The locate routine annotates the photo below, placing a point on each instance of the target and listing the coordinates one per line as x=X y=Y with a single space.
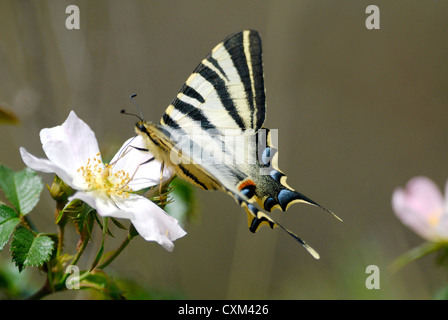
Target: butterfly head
x=141 y=127
x=146 y=130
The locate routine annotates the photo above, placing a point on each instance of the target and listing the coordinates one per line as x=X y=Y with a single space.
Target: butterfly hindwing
x=268 y=187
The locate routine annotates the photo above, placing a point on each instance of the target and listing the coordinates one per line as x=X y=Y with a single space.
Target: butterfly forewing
x=226 y=90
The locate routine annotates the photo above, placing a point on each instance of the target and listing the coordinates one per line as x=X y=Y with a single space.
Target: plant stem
x=82 y=247
x=116 y=253
x=415 y=253
x=61 y=224
x=60 y=241
x=131 y=234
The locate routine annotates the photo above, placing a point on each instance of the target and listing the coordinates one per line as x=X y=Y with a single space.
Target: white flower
x=73 y=154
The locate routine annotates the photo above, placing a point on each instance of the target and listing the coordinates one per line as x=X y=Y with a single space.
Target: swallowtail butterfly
x=212 y=134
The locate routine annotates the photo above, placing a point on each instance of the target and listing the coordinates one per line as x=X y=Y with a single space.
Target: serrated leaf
x=29 y=249
x=8 y=222
x=22 y=188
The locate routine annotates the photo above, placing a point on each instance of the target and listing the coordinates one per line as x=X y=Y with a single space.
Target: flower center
x=434 y=217
x=99 y=176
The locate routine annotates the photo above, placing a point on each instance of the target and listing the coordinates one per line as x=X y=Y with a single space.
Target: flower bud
x=59 y=190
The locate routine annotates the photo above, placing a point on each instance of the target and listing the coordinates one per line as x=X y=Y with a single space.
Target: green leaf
x=22 y=188
x=29 y=249
x=8 y=222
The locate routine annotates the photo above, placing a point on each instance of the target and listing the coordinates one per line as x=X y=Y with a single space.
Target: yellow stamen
x=101 y=177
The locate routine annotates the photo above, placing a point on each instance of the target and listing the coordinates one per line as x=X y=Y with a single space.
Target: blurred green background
x=359 y=113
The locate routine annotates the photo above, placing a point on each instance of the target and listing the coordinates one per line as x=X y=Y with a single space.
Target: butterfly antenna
x=140 y=116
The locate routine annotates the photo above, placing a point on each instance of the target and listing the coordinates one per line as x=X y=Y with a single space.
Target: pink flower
x=422 y=207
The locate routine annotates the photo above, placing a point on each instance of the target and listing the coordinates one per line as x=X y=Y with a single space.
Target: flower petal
x=423 y=196
x=105 y=206
x=70 y=145
x=151 y=222
x=418 y=205
x=154 y=224
x=44 y=165
x=135 y=162
x=38 y=164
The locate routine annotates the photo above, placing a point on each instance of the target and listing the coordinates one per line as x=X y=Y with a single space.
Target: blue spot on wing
x=285 y=196
x=266 y=156
x=269 y=203
x=248 y=191
x=276 y=175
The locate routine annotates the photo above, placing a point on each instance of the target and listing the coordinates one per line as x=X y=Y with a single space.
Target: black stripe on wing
x=258 y=76
x=250 y=70
x=195 y=180
x=193 y=113
x=220 y=86
x=216 y=64
x=235 y=48
x=192 y=93
x=168 y=121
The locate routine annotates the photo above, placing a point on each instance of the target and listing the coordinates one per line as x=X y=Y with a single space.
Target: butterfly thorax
x=155 y=142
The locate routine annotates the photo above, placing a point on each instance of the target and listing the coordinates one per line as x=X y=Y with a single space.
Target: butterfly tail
x=295 y=196
x=257 y=218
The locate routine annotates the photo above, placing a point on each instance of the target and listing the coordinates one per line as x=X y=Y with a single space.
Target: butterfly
x=212 y=133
